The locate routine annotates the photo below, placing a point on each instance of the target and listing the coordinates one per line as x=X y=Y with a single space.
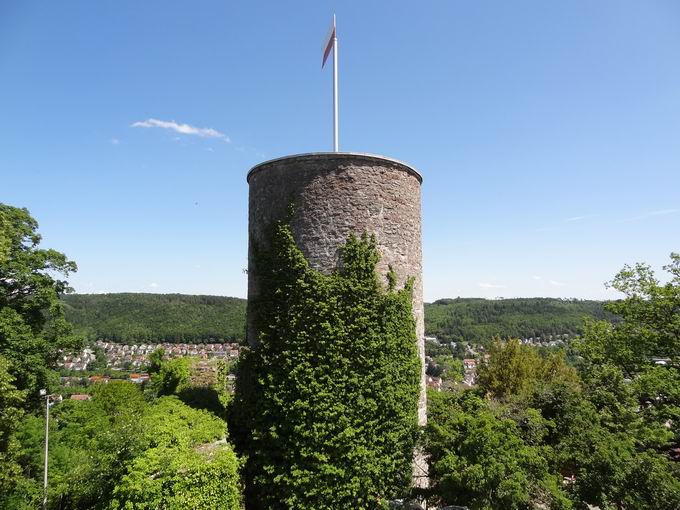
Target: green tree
x=517 y=370
x=100 y=362
x=11 y=401
x=480 y=460
x=176 y=479
x=156 y=361
x=172 y=377
x=327 y=400
x=186 y=464
x=649 y=324
x=450 y=368
x=648 y=329
x=32 y=324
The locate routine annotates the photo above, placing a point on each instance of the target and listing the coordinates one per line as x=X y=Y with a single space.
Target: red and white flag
x=329 y=41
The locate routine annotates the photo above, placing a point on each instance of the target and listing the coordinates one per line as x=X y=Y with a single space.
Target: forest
x=136 y=317
x=478 y=320
x=175 y=318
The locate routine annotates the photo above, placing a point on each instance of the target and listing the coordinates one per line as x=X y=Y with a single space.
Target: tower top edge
x=336 y=155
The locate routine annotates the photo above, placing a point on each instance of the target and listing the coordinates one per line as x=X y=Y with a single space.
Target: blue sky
x=548 y=133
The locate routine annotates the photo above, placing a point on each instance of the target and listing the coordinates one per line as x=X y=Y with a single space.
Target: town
x=133 y=357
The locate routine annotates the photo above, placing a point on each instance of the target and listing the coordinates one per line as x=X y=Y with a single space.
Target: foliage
x=130 y=317
x=650 y=320
x=133 y=318
x=648 y=331
x=100 y=361
x=606 y=430
x=11 y=401
x=194 y=385
x=186 y=463
x=327 y=400
x=176 y=479
x=480 y=460
x=103 y=450
x=32 y=323
x=155 y=361
x=447 y=367
x=172 y=377
x=478 y=320
x=32 y=331
x=517 y=369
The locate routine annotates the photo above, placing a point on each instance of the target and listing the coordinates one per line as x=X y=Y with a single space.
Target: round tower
x=337 y=194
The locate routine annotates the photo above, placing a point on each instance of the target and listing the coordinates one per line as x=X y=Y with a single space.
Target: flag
x=329 y=43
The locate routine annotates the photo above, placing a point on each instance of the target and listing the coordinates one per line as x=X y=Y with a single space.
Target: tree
x=186 y=462
x=156 y=361
x=110 y=451
x=649 y=320
x=172 y=377
x=100 y=362
x=647 y=330
x=516 y=370
x=32 y=324
x=480 y=460
x=175 y=479
x=11 y=401
x=327 y=400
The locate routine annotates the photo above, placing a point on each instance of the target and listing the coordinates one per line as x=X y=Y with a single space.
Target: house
x=139 y=378
x=469 y=364
x=434 y=382
x=80 y=396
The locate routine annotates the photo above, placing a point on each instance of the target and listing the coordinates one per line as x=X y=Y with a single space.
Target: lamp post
x=57 y=398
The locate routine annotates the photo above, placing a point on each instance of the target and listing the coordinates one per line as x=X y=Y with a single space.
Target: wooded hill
x=130 y=318
x=477 y=320
x=133 y=317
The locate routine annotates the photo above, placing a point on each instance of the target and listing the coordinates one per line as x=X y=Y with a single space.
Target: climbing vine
x=326 y=403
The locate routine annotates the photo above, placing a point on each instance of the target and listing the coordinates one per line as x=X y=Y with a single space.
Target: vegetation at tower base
x=327 y=400
x=539 y=433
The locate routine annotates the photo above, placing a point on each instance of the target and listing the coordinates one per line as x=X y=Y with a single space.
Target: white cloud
x=487 y=285
x=536 y=277
x=153 y=285
x=114 y=141
x=185 y=129
x=650 y=214
x=556 y=283
x=579 y=218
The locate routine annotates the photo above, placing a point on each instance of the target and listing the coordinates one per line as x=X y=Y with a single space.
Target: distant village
x=475 y=354
x=133 y=357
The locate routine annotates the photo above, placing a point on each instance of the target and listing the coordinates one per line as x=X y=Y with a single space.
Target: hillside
x=132 y=317
x=477 y=320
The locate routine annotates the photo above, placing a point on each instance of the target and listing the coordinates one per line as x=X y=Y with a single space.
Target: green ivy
x=327 y=401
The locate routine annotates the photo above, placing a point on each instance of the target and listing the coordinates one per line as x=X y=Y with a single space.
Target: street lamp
x=55 y=398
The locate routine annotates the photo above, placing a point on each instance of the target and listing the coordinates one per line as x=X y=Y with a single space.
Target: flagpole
x=335 y=86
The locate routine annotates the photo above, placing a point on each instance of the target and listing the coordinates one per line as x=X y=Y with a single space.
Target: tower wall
x=335 y=195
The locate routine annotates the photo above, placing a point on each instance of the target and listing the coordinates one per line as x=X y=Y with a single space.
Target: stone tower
x=337 y=194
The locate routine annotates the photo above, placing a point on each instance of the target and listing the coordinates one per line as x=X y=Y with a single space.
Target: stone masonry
x=336 y=194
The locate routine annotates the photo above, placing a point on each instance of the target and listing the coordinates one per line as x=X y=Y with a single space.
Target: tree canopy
x=32 y=324
x=478 y=320
x=134 y=318
x=538 y=433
